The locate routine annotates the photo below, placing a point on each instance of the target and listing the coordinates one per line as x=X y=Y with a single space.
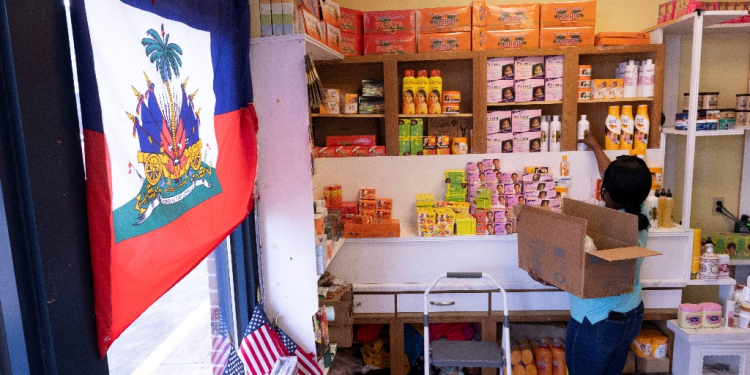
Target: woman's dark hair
x=628 y=182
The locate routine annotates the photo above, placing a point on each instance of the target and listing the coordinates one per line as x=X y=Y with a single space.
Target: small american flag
x=234 y=365
x=306 y=364
x=261 y=346
x=220 y=345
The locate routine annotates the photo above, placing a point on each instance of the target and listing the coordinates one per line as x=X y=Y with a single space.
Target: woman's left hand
x=536 y=278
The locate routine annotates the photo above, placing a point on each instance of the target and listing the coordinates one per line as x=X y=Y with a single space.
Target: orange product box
x=620 y=41
x=312 y=26
x=444 y=19
x=344 y=151
x=384 y=203
x=366 y=205
x=331 y=12
x=350 y=140
x=351 y=44
x=389 y=21
x=333 y=37
x=361 y=151
x=478 y=13
x=398 y=43
x=376 y=229
x=351 y=20
x=478 y=38
x=444 y=42
x=382 y=214
x=573 y=14
x=366 y=194
x=512 y=39
x=377 y=151
x=513 y=17
x=347 y=209
x=566 y=37
x=327 y=152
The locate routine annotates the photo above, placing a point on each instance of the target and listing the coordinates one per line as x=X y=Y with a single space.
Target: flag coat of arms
x=170 y=147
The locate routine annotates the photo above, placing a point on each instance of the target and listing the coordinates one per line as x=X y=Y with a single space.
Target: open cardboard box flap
x=624 y=253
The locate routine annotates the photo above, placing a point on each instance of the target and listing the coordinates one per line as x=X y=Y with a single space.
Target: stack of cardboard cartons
x=351 y=32
x=446 y=29
x=340 y=328
x=374 y=218
x=331 y=24
x=276 y=17
x=390 y=31
x=567 y=24
x=508 y=26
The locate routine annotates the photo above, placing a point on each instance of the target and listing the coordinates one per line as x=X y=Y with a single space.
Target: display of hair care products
x=524 y=79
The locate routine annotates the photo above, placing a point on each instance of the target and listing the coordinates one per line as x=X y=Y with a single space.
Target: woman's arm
x=602 y=161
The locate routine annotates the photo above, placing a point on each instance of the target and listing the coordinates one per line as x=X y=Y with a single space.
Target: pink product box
x=500 y=229
x=471 y=167
x=527 y=142
x=512 y=189
x=529 y=90
x=544 y=194
x=500 y=143
x=501 y=200
x=553 y=67
x=503 y=216
x=472 y=176
x=484 y=165
x=553 y=89
x=538 y=202
x=491 y=164
x=521 y=145
x=529 y=67
x=512 y=200
x=497 y=115
x=499 y=122
x=500 y=68
x=509 y=228
x=489 y=216
x=538 y=186
x=491 y=178
x=522 y=118
x=537 y=177
x=509 y=178
x=533 y=202
x=493 y=126
x=501 y=91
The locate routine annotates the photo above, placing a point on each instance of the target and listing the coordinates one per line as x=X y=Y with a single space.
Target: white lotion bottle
x=545 y=134
x=652 y=203
x=583 y=131
x=648 y=79
x=631 y=80
x=555 y=128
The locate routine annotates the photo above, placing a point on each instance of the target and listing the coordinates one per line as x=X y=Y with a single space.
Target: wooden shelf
x=740 y=130
x=712 y=282
x=348 y=115
x=621 y=100
x=438 y=116
x=739 y=262
x=711 y=22
x=511 y=104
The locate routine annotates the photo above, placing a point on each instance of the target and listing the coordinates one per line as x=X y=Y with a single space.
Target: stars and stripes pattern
x=306 y=363
x=234 y=365
x=220 y=346
x=261 y=346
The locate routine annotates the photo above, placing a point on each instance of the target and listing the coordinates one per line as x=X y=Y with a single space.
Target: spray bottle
x=709 y=262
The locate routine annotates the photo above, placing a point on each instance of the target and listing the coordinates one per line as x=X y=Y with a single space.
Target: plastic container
x=422 y=87
x=689 y=315
x=723 y=266
x=686 y=101
x=628 y=128
x=652 y=203
x=711 y=314
x=559 y=367
x=659 y=346
x=710 y=100
x=709 y=263
x=555 y=129
x=583 y=132
x=435 y=93
x=452 y=97
x=613 y=129
x=744 y=319
x=741 y=102
x=449 y=108
x=642 y=128
x=729 y=317
x=545 y=134
x=726 y=113
x=649 y=70
x=408 y=90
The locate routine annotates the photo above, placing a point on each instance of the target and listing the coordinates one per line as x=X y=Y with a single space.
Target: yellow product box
x=445 y=221
x=444 y=19
x=425 y=200
x=426 y=220
x=478 y=13
x=466 y=225
x=443 y=150
x=459 y=207
x=416 y=146
x=616 y=88
x=572 y=14
x=350 y=103
x=599 y=88
x=512 y=39
x=331 y=100
x=513 y=17
x=566 y=37
x=478 y=38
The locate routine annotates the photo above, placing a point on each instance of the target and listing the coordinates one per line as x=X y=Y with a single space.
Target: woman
x=600 y=330
x=435 y=102
x=508 y=94
x=508 y=71
x=409 y=108
x=421 y=101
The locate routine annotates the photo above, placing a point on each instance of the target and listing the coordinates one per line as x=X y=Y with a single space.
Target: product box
x=537 y=177
x=454 y=127
x=513 y=17
x=523 y=118
x=478 y=13
x=312 y=26
x=553 y=66
x=351 y=21
x=350 y=140
x=599 y=88
x=528 y=90
x=501 y=91
x=538 y=186
x=512 y=189
x=371 y=105
x=404 y=146
x=266 y=24
x=377 y=151
x=566 y=37
x=651 y=364
x=662 y=14
x=350 y=103
x=500 y=143
x=416 y=128
x=499 y=122
x=362 y=151
x=500 y=68
x=344 y=151
x=341 y=301
x=478 y=38
x=333 y=36
x=331 y=12
x=616 y=88
x=444 y=42
x=572 y=14
x=352 y=44
x=512 y=39
x=553 y=89
x=372 y=88
x=552 y=244
x=418 y=145
x=670 y=10
x=389 y=21
x=527 y=142
x=529 y=67
x=444 y=19
x=331 y=102
x=399 y=43
x=375 y=229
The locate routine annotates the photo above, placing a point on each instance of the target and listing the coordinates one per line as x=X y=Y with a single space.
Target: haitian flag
x=170 y=147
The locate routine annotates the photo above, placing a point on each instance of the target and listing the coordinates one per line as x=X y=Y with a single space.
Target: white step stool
x=693 y=347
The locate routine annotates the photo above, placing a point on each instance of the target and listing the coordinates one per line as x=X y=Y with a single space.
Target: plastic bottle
x=319 y=264
x=543 y=356
x=639 y=88
x=613 y=129
x=583 y=132
x=420 y=94
x=652 y=202
x=631 y=78
x=559 y=366
x=669 y=214
x=642 y=125
x=565 y=167
x=723 y=266
x=709 y=262
x=408 y=90
x=545 y=134
x=738 y=300
x=555 y=129
x=662 y=197
x=628 y=128
x=435 y=93
x=649 y=70
x=729 y=318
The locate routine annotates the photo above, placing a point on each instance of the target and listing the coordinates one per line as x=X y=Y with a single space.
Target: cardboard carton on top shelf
x=390 y=21
x=351 y=44
x=312 y=26
x=398 y=43
x=444 y=19
x=566 y=37
x=351 y=21
x=572 y=14
x=513 y=17
x=512 y=39
x=331 y=12
x=552 y=245
x=444 y=42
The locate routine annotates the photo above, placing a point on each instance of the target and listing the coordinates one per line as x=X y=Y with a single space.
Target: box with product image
x=573 y=14
x=312 y=26
x=500 y=143
x=553 y=89
x=529 y=67
x=553 y=66
x=566 y=37
x=453 y=127
x=444 y=20
x=351 y=20
x=377 y=151
x=509 y=177
x=513 y=17
x=528 y=90
x=372 y=88
x=331 y=12
x=512 y=189
x=501 y=91
x=527 y=142
x=478 y=13
x=537 y=177
x=478 y=38
x=371 y=105
x=361 y=151
x=351 y=44
x=444 y=42
x=539 y=194
x=500 y=68
x=538 y=186
x=600 y=89
x=333 y=37
x=331 y=101
x=552 y=245
x=389 y=21
x=511 y=39
x=398 y=43
x=501 y=122
x=523 y=118
x=350 y=102
x=404 y=128
x=416 y=128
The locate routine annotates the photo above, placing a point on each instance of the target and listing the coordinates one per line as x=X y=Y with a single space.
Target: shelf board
x=348 y=115
x=739 y=262
x=336 y=247
x=588 y=101
x=684 y=24
x=510 y=104
x=712 y=282
x=317 y=50
x=740 y=130
x=438 y=116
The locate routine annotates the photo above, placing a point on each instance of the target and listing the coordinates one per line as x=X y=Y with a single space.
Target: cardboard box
x=376 y=229
x=513 y=17
x=444 y=19
x=331 y=12
x=512 y=39
x=333 y=37
x=566 y=37
x=620 y=41
x=340 y=335
x=341 y=301
x=399 y=43
x=454 y=127
x=352 y=44
x=647 y=365
x=662 y=14
x=573 y=14
x=525 y=67
x=629 y=364
x=444 y=42
x=501 y=91
x=478 y=13
x=350 y=140
x=478 y=38
x=349 y=103
x=389 y=21
x=312 y=26
x=500 y=68
x=552 y=245
x=528 y=90
x=266 y=23
x=351 y=21
x=670 y=10
x=553 y=66
x=553 y=89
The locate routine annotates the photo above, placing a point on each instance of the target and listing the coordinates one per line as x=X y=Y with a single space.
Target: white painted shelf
x=639 y=99
x=410 y=234
x=739 y=262
x=336 y=247
x=740 y=130
x=729 y=281
x=317 y=50
x=684 y=24
x=509 y=104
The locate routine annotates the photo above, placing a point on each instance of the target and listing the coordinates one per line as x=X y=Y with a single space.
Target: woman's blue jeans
x=601 y=348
